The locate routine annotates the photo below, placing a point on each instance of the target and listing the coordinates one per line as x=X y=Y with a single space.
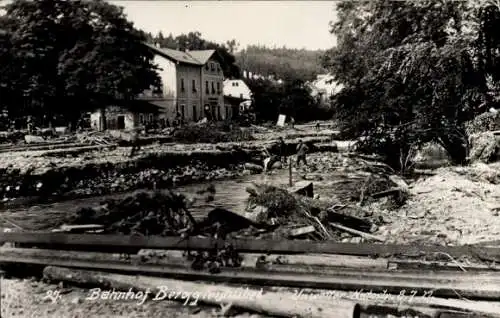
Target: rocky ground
x=455 y=206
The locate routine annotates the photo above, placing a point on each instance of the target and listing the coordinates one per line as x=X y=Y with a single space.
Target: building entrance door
x=120 y=122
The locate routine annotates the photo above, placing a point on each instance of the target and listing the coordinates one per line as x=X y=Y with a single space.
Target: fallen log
x=470 y=285
x=192 y=293
x=358 y=233
x=251 y=262
x=245 y=245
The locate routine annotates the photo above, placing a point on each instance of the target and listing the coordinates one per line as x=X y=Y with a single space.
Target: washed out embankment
x=157 y=166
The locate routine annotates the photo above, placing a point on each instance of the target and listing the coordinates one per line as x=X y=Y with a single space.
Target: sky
x=294 y=24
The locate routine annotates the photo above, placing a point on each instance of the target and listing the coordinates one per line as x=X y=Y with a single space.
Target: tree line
x=414 y=72
x=283 y=63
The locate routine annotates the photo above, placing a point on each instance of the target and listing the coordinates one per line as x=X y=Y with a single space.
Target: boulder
x=277 y=165
x=31 y=139
x=484 y=147
x=253 y=167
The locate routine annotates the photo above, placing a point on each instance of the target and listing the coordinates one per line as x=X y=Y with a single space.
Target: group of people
x=282 y=156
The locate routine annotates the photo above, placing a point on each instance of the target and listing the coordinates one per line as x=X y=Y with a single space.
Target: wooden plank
x=302 y=231
x=275 y=304
x=244 y=245
x=358 y=233
x=452 y=285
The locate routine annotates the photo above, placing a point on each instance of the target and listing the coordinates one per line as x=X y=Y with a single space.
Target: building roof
x=198 y=57
x=202 y=55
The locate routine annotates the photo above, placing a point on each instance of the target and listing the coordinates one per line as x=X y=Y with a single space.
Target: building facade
x=192 y=85
x=324 y=87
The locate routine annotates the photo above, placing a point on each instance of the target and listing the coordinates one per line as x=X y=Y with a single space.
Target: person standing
x=135 y=141
x=282 y=147
x=301 y=153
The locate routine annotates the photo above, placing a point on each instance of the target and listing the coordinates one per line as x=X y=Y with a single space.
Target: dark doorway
x=195 y=115
x=121 y=122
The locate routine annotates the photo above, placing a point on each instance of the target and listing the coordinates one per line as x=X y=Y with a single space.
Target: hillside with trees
x=283 y=63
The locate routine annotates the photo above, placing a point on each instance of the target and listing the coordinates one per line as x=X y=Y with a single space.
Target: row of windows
x=144 y=120
x=213 y=67
x=182 y=112
x=207 y=87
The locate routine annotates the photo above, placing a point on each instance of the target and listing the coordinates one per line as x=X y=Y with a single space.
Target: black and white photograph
x=249 y=159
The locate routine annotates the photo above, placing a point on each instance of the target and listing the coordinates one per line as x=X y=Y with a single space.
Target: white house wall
x=167 y=74
x=240 y=91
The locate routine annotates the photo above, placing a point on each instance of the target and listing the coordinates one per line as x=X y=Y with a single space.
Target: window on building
x=182 y=85
x=206 y=88
x=194 y=86
x=218 y=87
x=212 y=67
x=183 y=112
x=236 y=84
x=195 y=115
x=213 y=88
x=150 y=118
x=206 y=66
x=233 y=84
x=218 y=113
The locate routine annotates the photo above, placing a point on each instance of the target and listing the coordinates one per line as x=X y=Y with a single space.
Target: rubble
x=206 y=133
x=144 y=213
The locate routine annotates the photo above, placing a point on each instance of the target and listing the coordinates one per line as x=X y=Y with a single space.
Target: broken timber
x=94 y=241
x=358 y=233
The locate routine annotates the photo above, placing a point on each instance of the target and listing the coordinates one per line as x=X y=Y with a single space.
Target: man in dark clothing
x=282 y=148
x=135 y=141
x=301 y=153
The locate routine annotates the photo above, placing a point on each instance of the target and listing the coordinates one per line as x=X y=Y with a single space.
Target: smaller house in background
x=324 y=87
x=125 y=115
x=237 y=95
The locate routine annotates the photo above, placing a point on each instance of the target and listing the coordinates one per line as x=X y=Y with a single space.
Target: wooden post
x=290 y=180
x=1 y=277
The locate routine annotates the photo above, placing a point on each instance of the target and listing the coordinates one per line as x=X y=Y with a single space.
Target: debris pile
x=484 y=147
x=354 y=179
x=488 y=121
x=145 y=213
x=294 y=215
x=205 y=133
x=96 y=138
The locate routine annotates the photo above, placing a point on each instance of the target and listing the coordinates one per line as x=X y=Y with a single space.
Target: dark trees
x=71 y=56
